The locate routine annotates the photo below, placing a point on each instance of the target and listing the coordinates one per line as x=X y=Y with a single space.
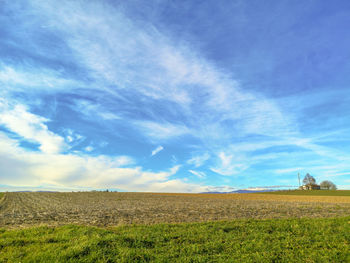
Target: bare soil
x=110 y=208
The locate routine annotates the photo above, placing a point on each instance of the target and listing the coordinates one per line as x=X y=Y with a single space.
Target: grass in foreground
x=287 y=240
x=311 y=192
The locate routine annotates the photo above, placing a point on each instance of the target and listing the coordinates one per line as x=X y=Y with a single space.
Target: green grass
x=287 y=240
x=310 y=192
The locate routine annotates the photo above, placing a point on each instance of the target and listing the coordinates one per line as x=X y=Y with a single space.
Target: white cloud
x=198 y=174
x=307 y=143
x=31 y=127
x=343 y=187
x=176 y=186
x=72 y=137
x=32 y=79
x=89 y=109
x=89 y=148
x=228 y=165
x=159 y=131
x=220 y=189
x=329 y=175
x=289 y=170
x=174 y=169
x=157 y=150
x=199 y=160
x=174 y=159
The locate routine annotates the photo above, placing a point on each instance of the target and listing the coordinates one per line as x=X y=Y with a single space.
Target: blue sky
x=173 y=96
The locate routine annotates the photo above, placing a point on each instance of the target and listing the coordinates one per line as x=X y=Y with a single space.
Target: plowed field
x=108 y=209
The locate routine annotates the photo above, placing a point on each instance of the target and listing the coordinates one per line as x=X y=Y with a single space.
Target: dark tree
x=308 y=179
x=328 y=185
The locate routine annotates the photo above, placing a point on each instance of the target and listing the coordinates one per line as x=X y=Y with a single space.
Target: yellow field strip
x=2 y=198
x=267 y=197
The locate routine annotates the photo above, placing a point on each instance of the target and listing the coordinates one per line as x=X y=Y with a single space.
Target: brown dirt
x=108 y=209
x=268 y=197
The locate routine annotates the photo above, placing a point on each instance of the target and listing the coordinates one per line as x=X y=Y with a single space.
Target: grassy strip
x=288 y=240
x=312 y=192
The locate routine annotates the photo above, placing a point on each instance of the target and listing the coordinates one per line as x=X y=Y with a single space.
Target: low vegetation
x=279 y=240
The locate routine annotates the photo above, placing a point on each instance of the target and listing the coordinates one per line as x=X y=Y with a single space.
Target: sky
x=173 y=96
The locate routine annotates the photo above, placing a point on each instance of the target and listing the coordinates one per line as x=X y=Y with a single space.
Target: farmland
x=144 y=227
x=312 y=193
x=110 y=209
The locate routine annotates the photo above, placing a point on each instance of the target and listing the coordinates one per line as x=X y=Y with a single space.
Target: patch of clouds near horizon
x=80 y=170
x=52 y=167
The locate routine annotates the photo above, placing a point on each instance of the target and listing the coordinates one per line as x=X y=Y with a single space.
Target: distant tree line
x=328 y=185
x=310 y=183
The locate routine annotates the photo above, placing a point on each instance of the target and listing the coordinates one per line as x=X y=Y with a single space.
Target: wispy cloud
x=30 y=127
x=149 y=63
x=228 y=165
x=199 y=160
x=89 y=148
x=157 y=150
x=220 y=189
x=88 y=109
x=72 y=138
x=198 y=174
x=160 y=131
x=289 y=170
x=329 y=175
x=32 y=79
